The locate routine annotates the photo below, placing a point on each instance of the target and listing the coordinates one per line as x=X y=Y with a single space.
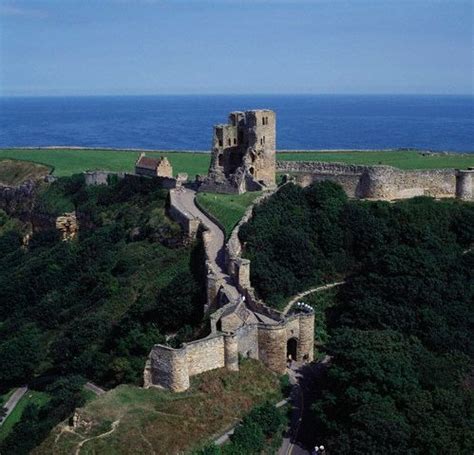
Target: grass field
x=31 y=396
x=13 y=172
x=396 y=158
x=227 y=208
x=140 y=420
x=70 y=161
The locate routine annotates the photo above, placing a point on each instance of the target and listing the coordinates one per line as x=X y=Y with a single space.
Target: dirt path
x=13 y=401
x=94 y=388
x=310 y=291
x=103 y=435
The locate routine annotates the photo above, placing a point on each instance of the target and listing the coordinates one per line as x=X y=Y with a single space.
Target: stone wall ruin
x=243 y=153
x=382 y=182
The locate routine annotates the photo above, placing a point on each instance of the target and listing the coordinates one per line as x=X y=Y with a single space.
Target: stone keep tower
x=243 y=153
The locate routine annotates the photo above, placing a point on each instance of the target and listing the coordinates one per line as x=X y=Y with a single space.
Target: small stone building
x=243 y=153
x=153 y=167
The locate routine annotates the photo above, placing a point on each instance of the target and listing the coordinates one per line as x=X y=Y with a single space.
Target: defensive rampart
x=188 y=222
x=241 y=325
x=379 y=182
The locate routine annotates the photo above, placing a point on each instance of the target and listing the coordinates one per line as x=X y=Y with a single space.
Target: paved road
x=184 y=198
x=310 y=291
x=13 y=401
x=300 y=437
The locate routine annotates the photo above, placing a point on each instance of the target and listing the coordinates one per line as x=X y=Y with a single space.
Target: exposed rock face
x=17 y=200
x=68 y=226
x=243 y=153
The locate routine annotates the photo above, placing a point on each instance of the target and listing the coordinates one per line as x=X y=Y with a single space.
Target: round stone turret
x=306 y=342
x=272 y=347
x=231 y=350
x=464 y=184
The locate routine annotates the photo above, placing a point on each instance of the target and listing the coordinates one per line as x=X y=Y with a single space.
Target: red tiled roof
x=148 y=163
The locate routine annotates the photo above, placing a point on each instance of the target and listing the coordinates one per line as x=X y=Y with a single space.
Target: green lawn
x=72 y=161
x=400 y=159
x=227 y=208
x=31 y=396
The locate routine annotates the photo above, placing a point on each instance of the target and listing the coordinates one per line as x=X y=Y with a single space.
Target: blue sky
x=98 y=47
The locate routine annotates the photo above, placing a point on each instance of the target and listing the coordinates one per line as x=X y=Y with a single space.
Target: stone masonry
x=243 y=153
x=243 y=159
x=383 y=182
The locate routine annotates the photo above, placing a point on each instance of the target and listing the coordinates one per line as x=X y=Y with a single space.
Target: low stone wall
x=320 y=167
x=102 y=178
x=234 y=247
x=188 y=222
x=374 y=182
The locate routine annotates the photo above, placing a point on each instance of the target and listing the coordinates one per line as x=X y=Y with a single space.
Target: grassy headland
x=402 y=159
x=158 y=421
x=70 y=161
x=13 y=172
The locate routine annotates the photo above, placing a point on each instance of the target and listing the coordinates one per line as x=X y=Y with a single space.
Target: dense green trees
x=66 y=394
x=96 y=305
x=259 y=432
x=400 y=333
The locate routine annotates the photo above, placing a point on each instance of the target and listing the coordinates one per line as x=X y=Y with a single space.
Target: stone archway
x=292 y=349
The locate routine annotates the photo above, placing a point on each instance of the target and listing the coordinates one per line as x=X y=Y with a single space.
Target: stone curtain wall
x=189 y=223
x=374 y=182
x=171 y=368
x=206 y=354
x=385 y=182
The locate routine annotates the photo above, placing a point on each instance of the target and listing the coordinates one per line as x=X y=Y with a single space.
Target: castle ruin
x=243 y=153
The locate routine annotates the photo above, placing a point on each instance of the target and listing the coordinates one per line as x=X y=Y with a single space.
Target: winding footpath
x=310 y=291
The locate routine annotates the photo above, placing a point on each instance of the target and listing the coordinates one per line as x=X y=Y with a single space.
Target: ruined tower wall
x=168 y=368
x=231 y=350
x=464 y=187
x=272 y=347
x=247 y=337
x=306 y=338
x=261 y=133
x=243 y=153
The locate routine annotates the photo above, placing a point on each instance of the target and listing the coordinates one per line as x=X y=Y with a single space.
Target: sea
x=304 y=122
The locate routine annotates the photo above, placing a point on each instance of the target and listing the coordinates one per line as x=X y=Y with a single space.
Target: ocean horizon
x=184 y=122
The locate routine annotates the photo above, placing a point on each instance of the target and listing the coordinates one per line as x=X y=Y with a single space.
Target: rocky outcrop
x=68 y=226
